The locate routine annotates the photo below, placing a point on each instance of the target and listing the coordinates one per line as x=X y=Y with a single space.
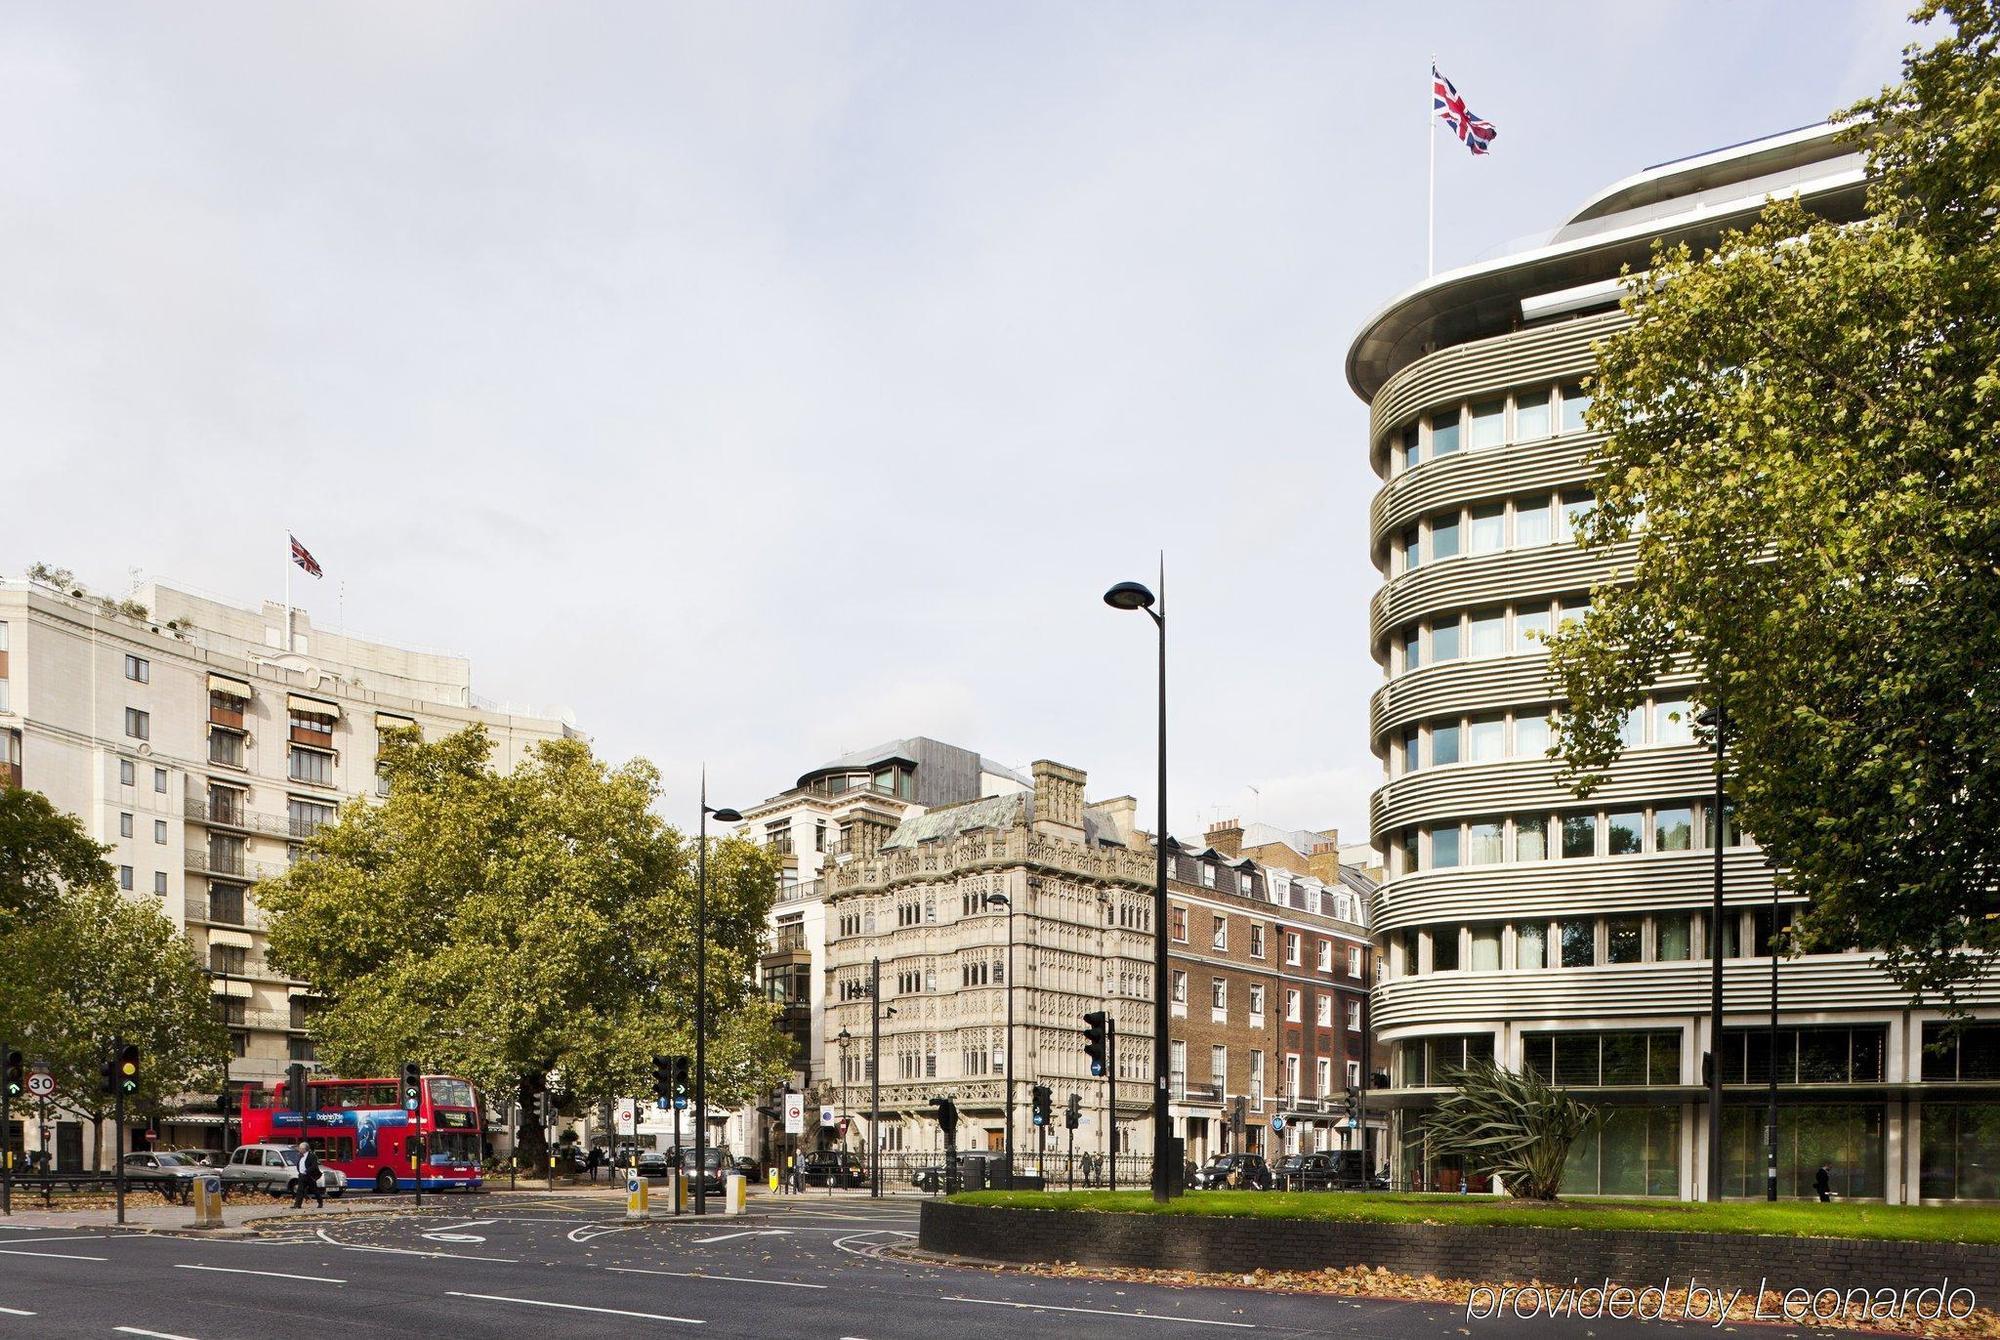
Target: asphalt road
x=509 y=1267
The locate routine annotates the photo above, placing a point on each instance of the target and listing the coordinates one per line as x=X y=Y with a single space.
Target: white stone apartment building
x=202 y=742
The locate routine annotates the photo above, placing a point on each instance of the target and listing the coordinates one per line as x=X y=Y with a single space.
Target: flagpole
x=288 y=593
x=1431 y=210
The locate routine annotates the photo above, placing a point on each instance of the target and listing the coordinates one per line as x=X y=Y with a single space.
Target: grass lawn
x=1798 y=1219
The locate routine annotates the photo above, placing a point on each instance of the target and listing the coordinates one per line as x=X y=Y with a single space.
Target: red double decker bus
x=361 y=1127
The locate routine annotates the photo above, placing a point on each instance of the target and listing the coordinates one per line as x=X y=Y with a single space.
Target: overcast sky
x=762 y=381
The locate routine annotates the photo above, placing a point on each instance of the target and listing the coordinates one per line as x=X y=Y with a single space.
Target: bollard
x=732 y=1193
x=635 y=1196
x=774 y=1179
x=207 y=1201
x=677 y=1190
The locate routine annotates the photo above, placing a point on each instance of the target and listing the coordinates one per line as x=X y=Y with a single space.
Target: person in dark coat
x=309 y=1182
x=1823 y=1183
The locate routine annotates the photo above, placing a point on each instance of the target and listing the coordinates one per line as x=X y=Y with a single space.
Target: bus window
x=449 y=1092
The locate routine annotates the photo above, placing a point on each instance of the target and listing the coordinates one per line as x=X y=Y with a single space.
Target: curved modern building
x=1570 y=936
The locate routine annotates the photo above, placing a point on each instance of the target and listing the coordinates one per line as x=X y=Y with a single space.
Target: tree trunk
x=531 y=1144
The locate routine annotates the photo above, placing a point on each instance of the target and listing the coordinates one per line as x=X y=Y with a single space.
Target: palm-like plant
x=1512 y=1123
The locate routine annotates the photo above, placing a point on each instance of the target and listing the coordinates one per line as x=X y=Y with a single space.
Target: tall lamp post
x=724 y=816
x=1712 y=718
x=1007 y=1103
x=1133 y=596
x=843 y=1038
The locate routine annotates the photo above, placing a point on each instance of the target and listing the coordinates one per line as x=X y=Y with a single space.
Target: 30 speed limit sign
x=41 y=1084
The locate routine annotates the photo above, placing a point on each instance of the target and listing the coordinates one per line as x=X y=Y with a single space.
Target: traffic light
x=947 y=1114
x=107 y=1075
x=548 y=1106
x=682 y=1083
x=1043 y=1099
x=1239 y=1112
x=128 y=1069
x=413 y=1085
x=663 y=1076
x=225 y=1102
x=1073 y=1114
x=17 y=1076
x=1096 y=1039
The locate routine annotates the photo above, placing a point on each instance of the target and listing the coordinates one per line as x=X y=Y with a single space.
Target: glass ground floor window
x=1422 y=1168
x=1634 y=1151
x=1960 y=1152
x=1846 y=1137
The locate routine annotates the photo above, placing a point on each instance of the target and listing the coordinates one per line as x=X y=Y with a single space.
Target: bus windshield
x=449 y=1092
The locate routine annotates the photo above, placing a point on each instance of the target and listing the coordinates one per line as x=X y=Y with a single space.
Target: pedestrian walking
x=308 y=1182
x=1823 y=1183
x=799 y=1177
x=594 y=1162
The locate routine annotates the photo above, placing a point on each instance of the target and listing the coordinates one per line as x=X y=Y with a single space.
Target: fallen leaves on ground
x=1381 y=1282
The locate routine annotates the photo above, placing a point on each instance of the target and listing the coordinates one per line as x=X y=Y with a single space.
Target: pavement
x=568 y=1265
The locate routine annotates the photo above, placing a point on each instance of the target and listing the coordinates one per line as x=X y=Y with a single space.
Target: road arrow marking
x=750 y=1233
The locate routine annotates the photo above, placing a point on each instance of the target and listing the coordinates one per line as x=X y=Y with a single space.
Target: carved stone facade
x=964 y=904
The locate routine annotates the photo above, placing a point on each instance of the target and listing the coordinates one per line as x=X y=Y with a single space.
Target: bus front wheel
x=385 y=1182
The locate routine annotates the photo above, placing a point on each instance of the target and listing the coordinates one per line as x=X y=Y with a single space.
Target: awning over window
x=390 y=721
x=311 y=706
x=229 y=688
x=237 y=938
x=229 y=986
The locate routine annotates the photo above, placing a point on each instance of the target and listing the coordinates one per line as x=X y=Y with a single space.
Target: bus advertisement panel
x=361 y=1127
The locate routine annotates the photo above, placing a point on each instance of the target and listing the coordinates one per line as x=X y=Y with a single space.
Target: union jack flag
x=1475 y=134
x=303 y=557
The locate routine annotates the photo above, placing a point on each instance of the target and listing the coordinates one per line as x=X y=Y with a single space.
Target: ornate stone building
x=995 y=921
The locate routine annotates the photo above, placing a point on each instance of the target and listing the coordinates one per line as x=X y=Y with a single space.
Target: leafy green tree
x=85 y=965
x=1510 y=1123
x=522 y=930
x=1801 y=478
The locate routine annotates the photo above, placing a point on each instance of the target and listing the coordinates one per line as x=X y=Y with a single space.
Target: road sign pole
x=7 y=1136
x=1111 y=1095
x=118 y=1145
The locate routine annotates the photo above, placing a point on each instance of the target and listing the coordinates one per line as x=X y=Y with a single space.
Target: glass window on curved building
x=1673 y=828
x=1960 y=1154
x=1444 y=434
x=1444 y=848
x=1531 y=840
x=1673 y=720
x=1444 y=639
x=1413 y=652
x=1624 y=939
x=1444 y=744
x=1579 y=944
x=1444 y=949
x=1444 y=536
x=1486 y=740
x=1485 y=949
x=1411 y=546
x=1531 y=945
x=1486 y=633
x=1411 y=445
x=1531 y=631
x=1531 y=416
x=1488 y=532
x=1672 y=942
x=1488 y=427
x=1625 y=833
x=1531 y=736
x=1485 y=842
x=1579 y=836
x=1574 y=402
x=1533 y=523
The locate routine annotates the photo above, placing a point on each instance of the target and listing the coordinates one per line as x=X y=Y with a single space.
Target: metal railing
x=225 y=912
x=799 y=892
x=918 y=1170
x=233 y=865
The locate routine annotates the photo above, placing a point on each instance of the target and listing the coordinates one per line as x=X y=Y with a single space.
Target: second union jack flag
x=303 y=557
x=1473 y=133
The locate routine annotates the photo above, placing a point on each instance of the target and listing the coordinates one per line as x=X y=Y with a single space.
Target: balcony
x=780 y=844
x=804 y=891
x=235 y=912
x=230 y=865
x=234 y=815
x=225 y=712
x=225 y=750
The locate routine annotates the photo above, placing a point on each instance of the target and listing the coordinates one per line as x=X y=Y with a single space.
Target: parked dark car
x=747 y=1167
x=830 y=1167
x=652 y=1163
x=716 y=1163
x=1306 y=1172
x=1246 y=1172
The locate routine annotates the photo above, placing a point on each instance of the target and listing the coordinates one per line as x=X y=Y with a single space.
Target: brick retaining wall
x=1452 y=1251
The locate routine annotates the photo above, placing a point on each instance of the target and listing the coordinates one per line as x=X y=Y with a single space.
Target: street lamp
x=843 y=1038
x=1007 y=1104
x=725 y=816
x=1133 y=596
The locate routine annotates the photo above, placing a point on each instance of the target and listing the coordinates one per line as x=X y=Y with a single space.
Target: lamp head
x=725 y=816
x=989 y=899
x=1129 y=596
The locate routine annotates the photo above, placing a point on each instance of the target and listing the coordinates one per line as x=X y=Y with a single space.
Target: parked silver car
x=274 y=1168
x=171 y=1174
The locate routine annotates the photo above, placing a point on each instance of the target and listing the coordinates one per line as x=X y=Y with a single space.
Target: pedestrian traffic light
x=17 y=1076
x=1073 y=1114
x=128 y=1070
x=413 y=1084
x=663 y=1076
x=681 y=1080
x=1096 y=1039
x=947 y=1114
x=1043 y=1099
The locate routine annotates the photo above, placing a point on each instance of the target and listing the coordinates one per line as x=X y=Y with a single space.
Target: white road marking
x=589 y=1231
x=576 y=1307
x=411 y=1251
x=157 y=1335
x=1098 y=1311
x=747 y=1233
x=705 y=1275
x=53 y=1256
x=268 y=1274
x=16 y=1312
x=74 y=1237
